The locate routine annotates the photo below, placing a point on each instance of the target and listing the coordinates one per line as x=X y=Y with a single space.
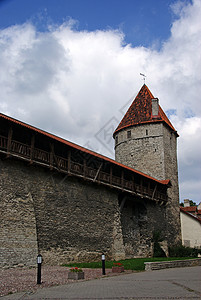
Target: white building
x=190 y=228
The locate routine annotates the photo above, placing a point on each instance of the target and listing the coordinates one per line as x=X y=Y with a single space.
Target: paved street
x=179 y=283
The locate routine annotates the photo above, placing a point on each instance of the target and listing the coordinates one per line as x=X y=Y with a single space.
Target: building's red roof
x=190 y=208
x=190 y=214
x=140 y=112
x=77 y=147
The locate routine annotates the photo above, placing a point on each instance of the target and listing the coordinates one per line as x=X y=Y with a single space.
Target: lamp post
x=103 y=264
x=39 y=262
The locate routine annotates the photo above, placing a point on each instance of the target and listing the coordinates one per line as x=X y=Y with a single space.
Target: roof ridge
x=81 y=148
x=191 y=215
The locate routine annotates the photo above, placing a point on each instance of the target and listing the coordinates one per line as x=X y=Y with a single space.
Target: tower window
x=146 y=131
x=116 y=140
x=128 y=134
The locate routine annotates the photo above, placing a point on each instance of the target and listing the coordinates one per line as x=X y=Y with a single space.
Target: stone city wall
x=64 y=219
x=67 y=219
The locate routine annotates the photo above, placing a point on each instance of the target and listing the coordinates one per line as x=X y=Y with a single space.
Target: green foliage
x=136 y=264
x=182 y=251
x=191 y=202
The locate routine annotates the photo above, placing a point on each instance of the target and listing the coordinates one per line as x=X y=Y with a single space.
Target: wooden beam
x=141 y=185
x=10 y=134
x=98 y=172
x=51 y=155
x=69 y=161
x=133 y=183
x=154 y=191
x=32 y=148
x=148 y=187
x=85 y=167
x=122 y=179
x=111 y=171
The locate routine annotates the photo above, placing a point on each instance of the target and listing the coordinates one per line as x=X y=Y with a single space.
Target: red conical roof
x=140 y=112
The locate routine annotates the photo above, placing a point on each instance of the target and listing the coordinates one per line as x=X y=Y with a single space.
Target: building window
x=146 y=131
x=116 y=139
x=128 y=134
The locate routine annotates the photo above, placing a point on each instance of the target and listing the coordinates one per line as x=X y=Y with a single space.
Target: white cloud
x=77 y=84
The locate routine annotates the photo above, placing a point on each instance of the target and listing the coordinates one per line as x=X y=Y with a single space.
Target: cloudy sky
x=72 y=67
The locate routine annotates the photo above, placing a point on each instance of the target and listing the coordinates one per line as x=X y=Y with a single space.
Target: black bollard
x=103 y=264
x=39 y=262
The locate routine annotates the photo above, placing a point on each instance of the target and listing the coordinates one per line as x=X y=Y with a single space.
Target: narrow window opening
x=116 y=139
x=146 y=131
x=128 y=134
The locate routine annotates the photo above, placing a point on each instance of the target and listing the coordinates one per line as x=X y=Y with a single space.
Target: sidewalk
x=179 y=283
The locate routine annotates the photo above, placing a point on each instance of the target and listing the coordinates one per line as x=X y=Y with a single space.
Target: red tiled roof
x=140 y=112
x=190 y=208
x=190 y=215
x=77 y=147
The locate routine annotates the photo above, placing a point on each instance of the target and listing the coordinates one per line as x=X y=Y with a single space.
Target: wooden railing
x=74 y=168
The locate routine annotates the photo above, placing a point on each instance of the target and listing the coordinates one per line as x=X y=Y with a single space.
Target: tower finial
x=144 y=76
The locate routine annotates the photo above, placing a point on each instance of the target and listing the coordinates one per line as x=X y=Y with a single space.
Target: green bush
x=182 y=251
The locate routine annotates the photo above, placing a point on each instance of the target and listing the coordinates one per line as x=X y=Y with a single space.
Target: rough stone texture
x=152 y=149
x=72 y=218
x=118 y=244
x=140 y=219
x=144 y=151
x=18 y=238
x=150 y=266
x=69 y=220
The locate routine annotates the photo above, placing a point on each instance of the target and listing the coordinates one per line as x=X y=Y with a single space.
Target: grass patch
x=136 y=264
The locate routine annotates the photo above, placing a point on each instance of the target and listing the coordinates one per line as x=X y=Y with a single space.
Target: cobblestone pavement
x=24 y=279
x=179 y=283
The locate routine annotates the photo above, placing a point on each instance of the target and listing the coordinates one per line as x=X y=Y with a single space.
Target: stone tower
x=146 y=140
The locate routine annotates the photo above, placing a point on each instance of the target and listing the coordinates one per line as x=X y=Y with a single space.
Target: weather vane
x=144 y=76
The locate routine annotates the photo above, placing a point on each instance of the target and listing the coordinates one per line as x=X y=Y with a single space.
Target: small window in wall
x=116 y=140
x=128 y=134
x=146 y=131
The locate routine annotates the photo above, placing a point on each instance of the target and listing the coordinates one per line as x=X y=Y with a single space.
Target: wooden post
x=69 y=161
x=141 y=185
x=51 y=155
x=122 y=179
x=149 y=188
x=154 y=191
x=85 y=168
x=10 y=134
x=98 y=172
x=32 y=148
x=133 y=183
x=111 y=175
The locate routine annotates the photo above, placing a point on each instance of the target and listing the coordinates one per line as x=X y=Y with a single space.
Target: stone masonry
x=69 y=220
x=151 y=147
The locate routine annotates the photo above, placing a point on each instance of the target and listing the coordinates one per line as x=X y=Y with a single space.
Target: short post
x=103 y=264
x=39 y=262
